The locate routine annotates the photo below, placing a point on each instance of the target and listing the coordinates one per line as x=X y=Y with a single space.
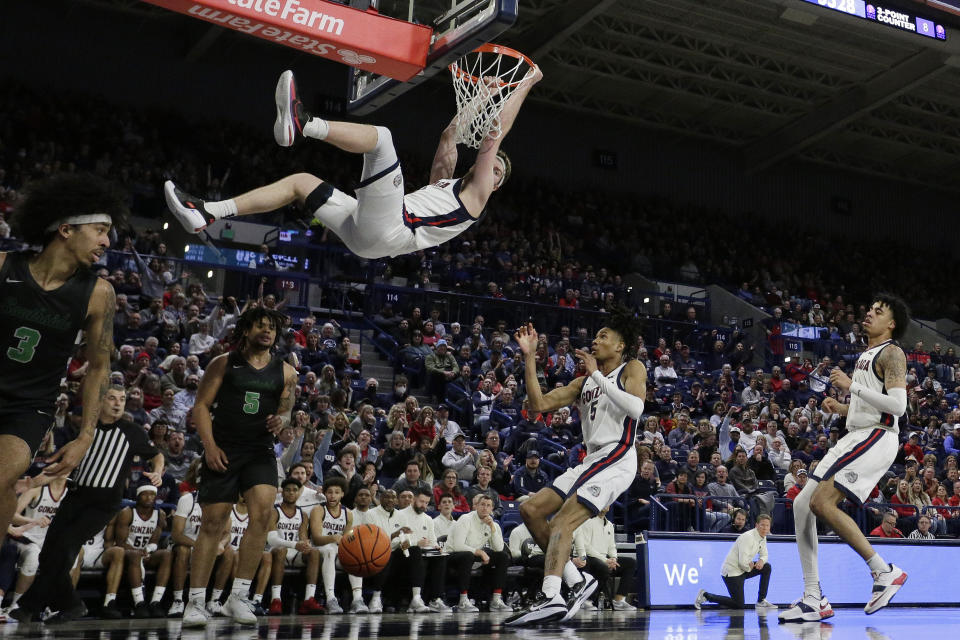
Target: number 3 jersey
x=245 y=399
x=38 y=331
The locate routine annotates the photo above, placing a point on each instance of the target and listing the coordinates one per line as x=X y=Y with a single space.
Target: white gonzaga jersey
x=862 y=415
x=238 y=527
x=603 y=423
x=142 y=530
x=334 y=526
x=435 y=213
x=96 y=542
x=45 y=505
x=189 y=509
x=309 y=498
x=289 y=526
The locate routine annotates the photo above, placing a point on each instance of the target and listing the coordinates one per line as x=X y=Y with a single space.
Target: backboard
x=459 y=26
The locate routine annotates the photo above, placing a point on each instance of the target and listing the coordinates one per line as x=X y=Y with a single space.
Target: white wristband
x=151 y=548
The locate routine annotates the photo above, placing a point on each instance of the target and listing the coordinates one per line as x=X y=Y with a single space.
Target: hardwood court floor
x=848 y=624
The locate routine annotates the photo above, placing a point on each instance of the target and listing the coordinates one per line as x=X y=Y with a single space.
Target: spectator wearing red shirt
x=902 y=496
x=887 y=528
x=797 y=487
x=569 y=300
x=912 y=447
x=423 y=427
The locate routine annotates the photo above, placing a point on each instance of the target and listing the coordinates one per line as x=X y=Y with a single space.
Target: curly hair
x=62 y=195
x=900 y=311
x=251 y=317
x=623 y=321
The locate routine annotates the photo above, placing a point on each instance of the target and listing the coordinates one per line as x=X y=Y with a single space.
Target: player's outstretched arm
x=445 y=159
x=537 y=401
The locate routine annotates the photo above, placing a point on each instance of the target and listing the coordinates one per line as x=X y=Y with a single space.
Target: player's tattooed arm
x=445 y=159
x=893 y=363
x=276 y=423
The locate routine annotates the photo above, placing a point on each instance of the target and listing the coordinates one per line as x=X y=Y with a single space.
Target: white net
x=483 y=80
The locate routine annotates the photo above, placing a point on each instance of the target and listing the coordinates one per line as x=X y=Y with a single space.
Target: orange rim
x=497 y=49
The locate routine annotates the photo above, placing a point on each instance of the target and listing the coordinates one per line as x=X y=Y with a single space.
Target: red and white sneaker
x=885 y=586
x=187 y=209
x=290 y=114
x=807 y=609
x=310 y=606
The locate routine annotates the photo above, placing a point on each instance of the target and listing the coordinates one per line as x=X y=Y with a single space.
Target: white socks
x=571 y=575
x=275 y=591
x=317 y=128
x=240 y=588
x=215 y=595
x=198 y=594
x=110 y=597
x=310 y=591
x=137 y=593
x=551 y=586
x=177 y=595
x=877 y=564
x=158 y=594
x=221 y=208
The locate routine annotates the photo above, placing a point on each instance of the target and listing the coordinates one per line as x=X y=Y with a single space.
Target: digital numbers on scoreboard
x=896 y=18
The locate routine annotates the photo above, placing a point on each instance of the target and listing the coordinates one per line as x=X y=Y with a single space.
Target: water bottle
x=601 y=602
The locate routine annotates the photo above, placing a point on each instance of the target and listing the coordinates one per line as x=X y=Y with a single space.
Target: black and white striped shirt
x=106 y=464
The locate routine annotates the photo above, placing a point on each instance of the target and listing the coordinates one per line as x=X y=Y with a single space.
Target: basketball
x=364 y=551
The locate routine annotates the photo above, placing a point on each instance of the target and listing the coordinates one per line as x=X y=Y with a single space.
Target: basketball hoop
x=483 y=80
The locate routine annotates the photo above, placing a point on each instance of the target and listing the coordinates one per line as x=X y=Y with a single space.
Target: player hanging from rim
x=852 y=467
x=46 y=298
x=610 y=399
x=381 y=221
x=254 y=394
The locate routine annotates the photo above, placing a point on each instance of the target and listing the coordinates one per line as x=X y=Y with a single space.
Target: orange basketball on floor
x=364 y=551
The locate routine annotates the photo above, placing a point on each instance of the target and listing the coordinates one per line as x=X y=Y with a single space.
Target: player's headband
x=145 y=488
x=90 y=218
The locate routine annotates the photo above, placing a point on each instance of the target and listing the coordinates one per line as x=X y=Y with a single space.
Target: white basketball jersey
x=94 y=544
x=142 y=530
x=238 y=527
x=309 y=498
x=862 y=415
x=45 y=505
x=436 y=214
x=334 y=526
x=189 y=509
x=289 y=526
x=603 y=423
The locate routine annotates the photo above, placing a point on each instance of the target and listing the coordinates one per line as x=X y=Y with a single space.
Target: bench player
x=289 y=538
x=381 y=221
x=39 y=504
x=610 y=399
x=138 y=530
x=852 y=467
x=102 y=552
x=328 y=523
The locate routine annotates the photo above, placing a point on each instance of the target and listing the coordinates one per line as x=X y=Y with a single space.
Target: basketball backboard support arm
x=462 y=28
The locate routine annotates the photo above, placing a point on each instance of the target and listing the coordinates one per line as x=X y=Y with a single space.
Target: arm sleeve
x=275 y=540
x=631 y=404
x=894 y=401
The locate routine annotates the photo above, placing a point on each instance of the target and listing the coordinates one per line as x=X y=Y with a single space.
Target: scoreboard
x=884 y=14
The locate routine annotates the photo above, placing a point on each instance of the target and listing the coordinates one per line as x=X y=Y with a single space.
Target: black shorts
x=30 y=425
x=244 y=470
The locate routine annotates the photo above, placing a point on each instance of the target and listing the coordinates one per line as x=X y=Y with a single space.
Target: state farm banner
x=361 y=39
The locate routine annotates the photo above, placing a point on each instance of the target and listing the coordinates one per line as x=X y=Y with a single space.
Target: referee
x=100 y=478
x=740 y=565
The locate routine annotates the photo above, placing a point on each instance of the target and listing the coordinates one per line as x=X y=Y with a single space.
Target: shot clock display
x=896 y=18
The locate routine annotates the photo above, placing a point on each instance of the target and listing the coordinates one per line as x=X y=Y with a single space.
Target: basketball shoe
x=188 y=210
x=240 y=608
x=885 y=586
x=195 y=615
x=579 y=593
x=543 y=609
x=291 y=115
x=807 y=609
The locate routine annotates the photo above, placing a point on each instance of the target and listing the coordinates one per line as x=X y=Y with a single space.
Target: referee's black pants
x=83 y=513
x=735 y=587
